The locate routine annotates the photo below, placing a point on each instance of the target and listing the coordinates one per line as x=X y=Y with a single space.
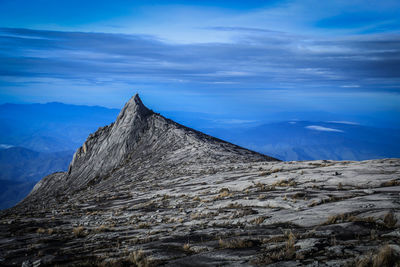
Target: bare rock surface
x=147 y=191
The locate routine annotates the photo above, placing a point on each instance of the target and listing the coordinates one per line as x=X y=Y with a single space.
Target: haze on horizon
x=236 y=61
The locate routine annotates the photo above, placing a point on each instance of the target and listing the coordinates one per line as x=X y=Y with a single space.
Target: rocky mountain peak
x=132 y=109
x=139 y=137
x=107 y=148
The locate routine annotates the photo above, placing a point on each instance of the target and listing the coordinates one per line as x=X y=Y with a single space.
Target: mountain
x=310 y=140
x=146 y=191
x=139 y=137
x=23 y=165
x=50 y=127
x=11 y=192
x=22 y=168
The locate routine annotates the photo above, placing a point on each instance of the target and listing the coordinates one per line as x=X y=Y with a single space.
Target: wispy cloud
x=323 y=129
x=253 y=61
x=5 y=146
x=345 y=122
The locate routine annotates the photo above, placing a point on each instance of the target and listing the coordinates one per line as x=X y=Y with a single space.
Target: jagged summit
x=141 y=138
x=106 y=149
x=134 y=107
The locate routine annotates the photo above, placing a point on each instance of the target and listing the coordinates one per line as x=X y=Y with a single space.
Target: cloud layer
x=257 y=59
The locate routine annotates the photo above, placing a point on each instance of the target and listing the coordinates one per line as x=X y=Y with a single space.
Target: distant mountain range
x=21 y=168
x=50 y=127
x=39 y=139
x=307 y=140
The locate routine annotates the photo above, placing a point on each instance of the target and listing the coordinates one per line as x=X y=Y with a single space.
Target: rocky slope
x=147 y=191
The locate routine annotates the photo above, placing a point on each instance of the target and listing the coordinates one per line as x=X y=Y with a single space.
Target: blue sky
x=240 y=60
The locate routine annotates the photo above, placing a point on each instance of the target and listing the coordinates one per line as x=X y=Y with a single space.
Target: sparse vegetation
x=386 y=256
x=276 y=169
x=390 y=220
x=102 y=228
x=139 y=259
x=340 y=186
x=144 y=225
x=196 y=198
x=79 y=231
x=281 y=253
x=186 y=247
x=224 y=192
x=234 y=205
x=390 y=183
x=40 y=231
x=284 y=183
x=259 y=220
x=262 y=187
x=235 y=243
x=339 y=218
x=262 y=197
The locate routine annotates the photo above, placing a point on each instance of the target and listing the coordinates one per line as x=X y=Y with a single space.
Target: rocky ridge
x=147 y=191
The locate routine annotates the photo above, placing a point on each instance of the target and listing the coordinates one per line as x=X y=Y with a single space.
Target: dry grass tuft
x=261 y=197
x=41 y=230
x=139 y=259
x=186 y=247
x=340 y=218
x=196 y=199
x=386 y=256
x=390 y=220
x=224 y=192
x=79 y=231
x=263 y=187
x=340 y=186
x=284 y=183
x=390 y=183
x=102 y=228
x=144 y=225
x=276 y=169
x=287 y=252
x=234 y=205
x=259 y=220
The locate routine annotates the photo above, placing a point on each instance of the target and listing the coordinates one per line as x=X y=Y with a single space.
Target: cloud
x=345 y=122
x=241 y=29
x=260 y=61
x=5 y=146
x=323 y=129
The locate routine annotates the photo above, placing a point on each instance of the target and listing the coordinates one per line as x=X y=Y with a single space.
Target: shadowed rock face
x=148 y=191
x=107 y=148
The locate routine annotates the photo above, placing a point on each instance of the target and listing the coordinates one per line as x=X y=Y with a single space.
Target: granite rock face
x=141 y=138
x=147 y=191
